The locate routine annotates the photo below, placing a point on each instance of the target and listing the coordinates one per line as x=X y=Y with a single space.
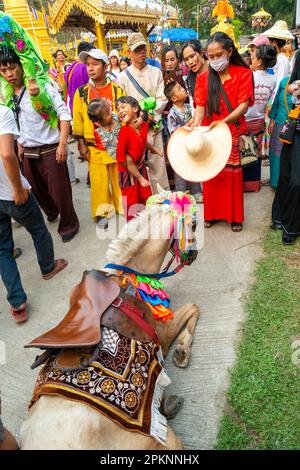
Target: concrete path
x=216 y=282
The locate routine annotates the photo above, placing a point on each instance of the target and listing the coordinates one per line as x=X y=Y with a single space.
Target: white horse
x=57 y=423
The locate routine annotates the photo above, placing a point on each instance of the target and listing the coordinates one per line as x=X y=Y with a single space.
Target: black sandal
x=209 y=223
x=236 y=227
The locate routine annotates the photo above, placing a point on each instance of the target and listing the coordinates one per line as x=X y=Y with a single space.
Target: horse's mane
x=132 y=236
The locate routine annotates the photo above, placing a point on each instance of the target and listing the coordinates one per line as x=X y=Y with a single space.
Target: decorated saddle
x=105 y=354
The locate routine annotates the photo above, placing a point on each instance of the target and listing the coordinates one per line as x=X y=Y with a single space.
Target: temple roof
x=115 y=12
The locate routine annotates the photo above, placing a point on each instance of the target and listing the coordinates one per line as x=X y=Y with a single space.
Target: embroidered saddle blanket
x=125 y=383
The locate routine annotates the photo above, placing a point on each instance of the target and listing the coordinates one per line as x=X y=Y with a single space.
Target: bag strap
x=136 y=85
x=285 y=97
x=227 y=102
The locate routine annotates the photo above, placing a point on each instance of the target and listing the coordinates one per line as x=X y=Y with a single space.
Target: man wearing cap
x=44 y=149
x=105 y=190
x=141 y=80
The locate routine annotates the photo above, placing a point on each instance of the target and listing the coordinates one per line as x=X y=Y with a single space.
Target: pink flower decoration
x=45 y=116
x=20 y=45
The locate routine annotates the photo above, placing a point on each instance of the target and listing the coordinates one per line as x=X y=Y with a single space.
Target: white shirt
x=282 y=68
x=151 y=80
x=34 y=130
x=8 y=126
x=264 y=84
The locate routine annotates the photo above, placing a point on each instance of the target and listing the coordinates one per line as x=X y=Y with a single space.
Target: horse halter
x=182 y=208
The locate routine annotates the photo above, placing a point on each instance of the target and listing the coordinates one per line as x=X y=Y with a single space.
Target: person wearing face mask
x=224 y=93
x=193 y=55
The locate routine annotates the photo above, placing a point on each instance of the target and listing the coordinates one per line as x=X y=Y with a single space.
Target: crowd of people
x=122 y=112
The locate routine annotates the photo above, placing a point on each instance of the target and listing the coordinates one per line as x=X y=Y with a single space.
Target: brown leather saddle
x=96 y=301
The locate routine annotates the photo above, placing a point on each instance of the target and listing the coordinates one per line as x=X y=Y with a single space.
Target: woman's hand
x=271 y=126
x=144 y=183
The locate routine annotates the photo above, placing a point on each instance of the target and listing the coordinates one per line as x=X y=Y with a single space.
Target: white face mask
x=219 y=64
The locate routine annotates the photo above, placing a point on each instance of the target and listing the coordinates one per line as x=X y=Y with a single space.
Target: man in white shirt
x=17 y=202
x=151 y=81
x=44 y=149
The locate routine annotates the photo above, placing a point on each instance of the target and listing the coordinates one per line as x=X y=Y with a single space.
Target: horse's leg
x=187 y=316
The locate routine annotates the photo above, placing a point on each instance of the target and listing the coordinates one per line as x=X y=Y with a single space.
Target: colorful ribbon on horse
x=152 y=292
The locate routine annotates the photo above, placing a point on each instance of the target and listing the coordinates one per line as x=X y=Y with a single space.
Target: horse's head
x=182 y=209
x=167 y=224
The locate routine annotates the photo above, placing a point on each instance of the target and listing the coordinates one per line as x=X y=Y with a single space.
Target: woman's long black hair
x=214 y=81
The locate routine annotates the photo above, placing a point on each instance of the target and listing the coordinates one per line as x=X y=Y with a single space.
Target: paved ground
x=216 y=282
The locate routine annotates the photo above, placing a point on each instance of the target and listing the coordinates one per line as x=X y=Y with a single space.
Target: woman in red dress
x=223 y=195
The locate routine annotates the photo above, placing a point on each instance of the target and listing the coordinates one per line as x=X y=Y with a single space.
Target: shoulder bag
x=248 y=142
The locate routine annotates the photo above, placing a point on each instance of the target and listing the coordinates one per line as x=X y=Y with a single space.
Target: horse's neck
x=150 y=257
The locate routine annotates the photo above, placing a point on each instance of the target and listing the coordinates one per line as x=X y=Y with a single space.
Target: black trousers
x=286 y=205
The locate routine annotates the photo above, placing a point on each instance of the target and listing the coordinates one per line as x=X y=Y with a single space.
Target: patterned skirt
x=252 y=172
x=275 y=152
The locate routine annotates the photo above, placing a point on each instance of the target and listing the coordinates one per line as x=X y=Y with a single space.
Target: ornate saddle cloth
x=125 y=383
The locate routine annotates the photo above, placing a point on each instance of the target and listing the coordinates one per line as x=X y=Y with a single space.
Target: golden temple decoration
x=224 y=12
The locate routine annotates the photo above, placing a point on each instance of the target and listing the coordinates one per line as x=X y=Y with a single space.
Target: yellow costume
x=106 y=197
x=224 y=12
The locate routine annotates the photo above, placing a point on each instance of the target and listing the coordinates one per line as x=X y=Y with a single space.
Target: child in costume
x=107 y=126
x=14 y=37
x=179 y=115
x=132 y=144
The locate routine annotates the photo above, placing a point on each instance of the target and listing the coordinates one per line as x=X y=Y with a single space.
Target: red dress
x=223 y=195
x=133 y=143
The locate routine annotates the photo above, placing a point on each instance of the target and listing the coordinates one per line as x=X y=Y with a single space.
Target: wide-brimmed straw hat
x=280 y=30
x=200 y=154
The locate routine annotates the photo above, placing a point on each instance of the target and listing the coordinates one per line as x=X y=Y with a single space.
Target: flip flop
x=171 y=405
x=20 y=313
x=59 y=265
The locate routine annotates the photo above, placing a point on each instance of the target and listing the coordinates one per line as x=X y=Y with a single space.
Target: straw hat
x=280 y=30
x=200 y=154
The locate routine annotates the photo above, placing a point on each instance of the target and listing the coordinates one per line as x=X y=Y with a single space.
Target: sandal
x=236 y=226
x=20 y=313
x=59 y=265
x=209 y=223
x=171 y=405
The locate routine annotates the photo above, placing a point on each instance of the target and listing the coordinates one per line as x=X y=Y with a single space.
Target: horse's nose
x=192 y=256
